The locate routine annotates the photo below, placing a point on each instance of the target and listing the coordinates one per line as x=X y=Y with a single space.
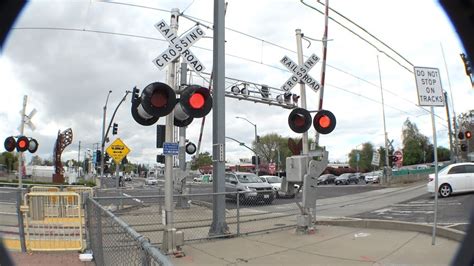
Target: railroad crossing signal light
x=467 y=64
x=157 y=100
x=463 y=147
x=244 y=91
x=461 y=135
x=468 y=134
x=299 y=121
x=195 y=102
x=265 y=92
x=324 y=122
x=115 y=129
x=10 y=144
x=22 y=144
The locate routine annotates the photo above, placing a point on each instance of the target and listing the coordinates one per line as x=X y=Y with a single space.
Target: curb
x=448 y=233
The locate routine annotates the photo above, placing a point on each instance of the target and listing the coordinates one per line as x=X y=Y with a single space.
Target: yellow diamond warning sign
x=118 y=150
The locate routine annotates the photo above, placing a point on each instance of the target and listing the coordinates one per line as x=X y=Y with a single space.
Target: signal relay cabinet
x=304 y=170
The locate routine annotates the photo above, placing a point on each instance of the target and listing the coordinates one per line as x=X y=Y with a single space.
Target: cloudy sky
x=67 y=55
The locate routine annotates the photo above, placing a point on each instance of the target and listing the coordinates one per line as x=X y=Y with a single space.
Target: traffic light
x=106 y=157
x=98 y=156
x=265 y=92
x=157 y=100
x=299 y=121
x=22 y=144
x=468 y=134
x=467 y=64
x=115 y=129
x=254 y=160
x=194 y=102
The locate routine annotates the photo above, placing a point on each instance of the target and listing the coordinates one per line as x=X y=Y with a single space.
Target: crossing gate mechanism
x=53 y=221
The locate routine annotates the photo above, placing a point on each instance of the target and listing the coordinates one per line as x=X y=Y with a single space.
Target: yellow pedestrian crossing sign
x=118 y=150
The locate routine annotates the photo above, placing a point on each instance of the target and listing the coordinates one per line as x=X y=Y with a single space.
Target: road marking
x=135 y=199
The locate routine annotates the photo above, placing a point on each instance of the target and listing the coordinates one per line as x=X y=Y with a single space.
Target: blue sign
x=170 y=148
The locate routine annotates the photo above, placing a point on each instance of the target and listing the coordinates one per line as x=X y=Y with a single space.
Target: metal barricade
x=53 y=221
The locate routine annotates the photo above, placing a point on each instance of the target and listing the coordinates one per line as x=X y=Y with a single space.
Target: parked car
x=256 y=190
x=346 y=179
x=151 y=181
x=203 y=178
x=454 y=178
x=326 y=179
x=373 y=177
x=275 y=182
x=128 y=177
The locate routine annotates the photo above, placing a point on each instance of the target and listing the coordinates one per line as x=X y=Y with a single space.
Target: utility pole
x=299 y=48
x=450 y=133
x=102 y=145
x=78 y=158
x=169 y=246
x=386 y=171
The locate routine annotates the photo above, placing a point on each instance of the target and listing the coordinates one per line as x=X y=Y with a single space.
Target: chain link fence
x=252 y=213
x=114 y=242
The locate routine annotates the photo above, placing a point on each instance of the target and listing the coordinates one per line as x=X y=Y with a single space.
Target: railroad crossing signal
x=179 y=46
x=300 y=73
x=21 y=145
x=299 y=121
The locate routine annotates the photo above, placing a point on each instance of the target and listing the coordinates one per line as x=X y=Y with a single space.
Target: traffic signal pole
x=169 y=246
x=299 y=47
x=386 y=172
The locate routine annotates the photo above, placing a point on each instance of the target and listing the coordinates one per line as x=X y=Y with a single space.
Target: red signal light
x=196 y=101
x=159 y=99
x=468 y=134
x=324 y=122
x=22 y=144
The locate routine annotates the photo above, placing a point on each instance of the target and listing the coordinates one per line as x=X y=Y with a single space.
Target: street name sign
x=118 y=150
x=300 y=73
x=170 y=148
x=428 y=84
x=179 y=46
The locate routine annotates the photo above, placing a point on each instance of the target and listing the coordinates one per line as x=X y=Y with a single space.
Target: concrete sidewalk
x=330 y=245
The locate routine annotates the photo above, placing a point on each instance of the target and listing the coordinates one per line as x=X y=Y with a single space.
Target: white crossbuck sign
x=179 y=46
x=300 y=73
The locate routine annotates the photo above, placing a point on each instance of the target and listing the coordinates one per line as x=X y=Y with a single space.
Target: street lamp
x=256 y=142
x=103 y=138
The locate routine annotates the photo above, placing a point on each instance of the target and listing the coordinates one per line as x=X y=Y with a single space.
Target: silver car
x=251 y=187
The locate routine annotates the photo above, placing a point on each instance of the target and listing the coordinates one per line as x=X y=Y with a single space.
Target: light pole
x=256 y=143
x=103 y=138
x=279 y=161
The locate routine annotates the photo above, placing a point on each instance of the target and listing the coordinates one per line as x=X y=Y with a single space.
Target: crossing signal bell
x=158 y=99
x=21 y=144
x=299 y=121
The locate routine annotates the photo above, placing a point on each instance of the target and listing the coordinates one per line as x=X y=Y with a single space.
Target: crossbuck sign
x=179 y=46
x=300 y=73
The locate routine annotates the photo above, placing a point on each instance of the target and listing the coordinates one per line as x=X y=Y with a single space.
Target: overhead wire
x=200 y=22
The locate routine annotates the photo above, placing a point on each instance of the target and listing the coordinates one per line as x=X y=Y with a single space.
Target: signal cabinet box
x=296 y=167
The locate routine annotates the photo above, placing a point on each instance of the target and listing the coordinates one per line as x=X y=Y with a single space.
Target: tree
x=365 y=157
x=36 y=160
x=415 y=145
x=201 y=160
x=9 y=160
x=269 y=146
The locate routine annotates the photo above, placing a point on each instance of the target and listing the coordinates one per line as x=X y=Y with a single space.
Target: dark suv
x=251 y=187
x=346 y=179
